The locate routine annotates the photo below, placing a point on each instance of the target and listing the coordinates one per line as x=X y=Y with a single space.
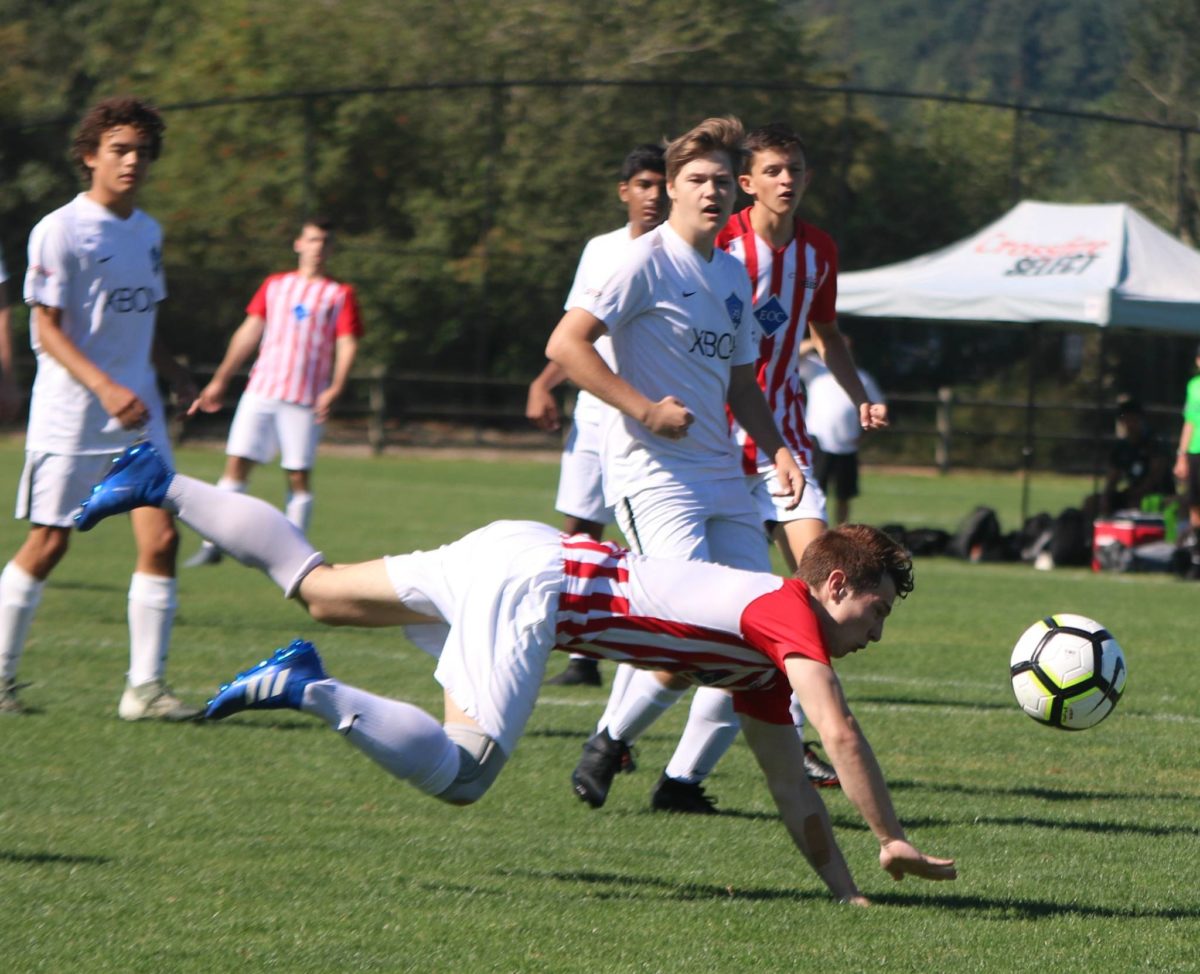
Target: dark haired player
x=94 y=281
x=493 y=605
x=643 y=190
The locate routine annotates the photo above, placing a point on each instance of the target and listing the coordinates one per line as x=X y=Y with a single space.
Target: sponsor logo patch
x=771 y=317
x=733 y=304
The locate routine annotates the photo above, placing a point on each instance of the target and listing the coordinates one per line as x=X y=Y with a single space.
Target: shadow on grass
x=296 y=724
x=624 y=886
x=1102 y=828
x=1045 y=794
x=52 y=859
x=940 y=702
x=1029 y=909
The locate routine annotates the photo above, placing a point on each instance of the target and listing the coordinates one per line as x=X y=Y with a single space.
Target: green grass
x=266 y=844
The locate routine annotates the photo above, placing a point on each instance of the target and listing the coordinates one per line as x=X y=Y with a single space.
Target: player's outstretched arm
x=780 y=754
x=749 y=407
x=824 y=704
x=242 y=346
x=827 y=339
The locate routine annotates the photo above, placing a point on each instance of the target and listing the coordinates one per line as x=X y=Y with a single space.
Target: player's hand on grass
x=123 y=405
x=900 y=858
x=210 y=400
x=873 y=415
x=669 y=418
x=541 y=408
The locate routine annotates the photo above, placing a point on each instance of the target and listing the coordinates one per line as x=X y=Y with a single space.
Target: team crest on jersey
x=733 y=304
x=300 y=312
x=156 y=259
x=771 y=316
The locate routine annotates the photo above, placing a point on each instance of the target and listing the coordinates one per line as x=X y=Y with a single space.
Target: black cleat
x=603 y=758
x=819 y=772
x=673 y=795
x=581 y=672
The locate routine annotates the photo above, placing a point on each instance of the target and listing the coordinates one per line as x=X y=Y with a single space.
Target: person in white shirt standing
x=833 y=422
x=305 y=327
x=94 y=281
x=792 y=267
x=580 y=499
x=685 y=343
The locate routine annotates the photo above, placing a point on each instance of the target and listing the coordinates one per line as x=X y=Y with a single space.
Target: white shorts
x=498 y=590
x=53 y=485
x=263 y=428
x=716 y=521
x=773 y=508
x=580 y=476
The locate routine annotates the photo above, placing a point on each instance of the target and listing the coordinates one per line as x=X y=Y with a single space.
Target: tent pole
x=1027 y=446
x=1098 y=450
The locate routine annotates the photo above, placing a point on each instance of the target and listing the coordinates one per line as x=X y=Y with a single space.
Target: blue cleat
x=137 y=478
x=273 y=684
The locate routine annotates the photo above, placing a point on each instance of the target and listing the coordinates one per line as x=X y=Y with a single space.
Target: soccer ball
x=1067 y=671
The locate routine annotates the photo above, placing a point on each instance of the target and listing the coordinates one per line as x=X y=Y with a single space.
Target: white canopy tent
x=1090 y=264
x=1099 y=265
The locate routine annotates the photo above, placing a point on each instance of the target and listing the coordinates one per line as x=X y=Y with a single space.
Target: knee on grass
x=480 y=760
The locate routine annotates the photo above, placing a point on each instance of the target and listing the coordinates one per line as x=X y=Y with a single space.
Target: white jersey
x=679 y=324
x=105 y=274
x=831 y=417
x=3 y=271
x=601 y=256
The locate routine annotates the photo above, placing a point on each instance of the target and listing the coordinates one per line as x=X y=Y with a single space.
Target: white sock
x=151 y=613
x=20 y=594
x=246 y=528
x=299 y=509
x=233 y=486
x=616 y=693
x=644 y=702
x=402 y=739
x=711 y=729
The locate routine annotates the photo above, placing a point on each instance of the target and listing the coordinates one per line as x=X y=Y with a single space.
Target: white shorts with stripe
x=581 y=476
x=498 y=590
x=265 y=428
x=718 y=521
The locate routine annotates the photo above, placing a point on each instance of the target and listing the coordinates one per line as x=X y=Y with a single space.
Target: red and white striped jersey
x=792 y=286
x=717 y=626
x=304 y=319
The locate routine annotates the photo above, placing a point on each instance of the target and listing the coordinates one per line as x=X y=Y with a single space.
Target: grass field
x=264 y=843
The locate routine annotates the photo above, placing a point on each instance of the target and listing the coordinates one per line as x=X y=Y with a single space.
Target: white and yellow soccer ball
x=1067 y=671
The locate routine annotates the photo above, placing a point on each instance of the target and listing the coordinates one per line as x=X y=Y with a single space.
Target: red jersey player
x=493 y=605
x=305 y=327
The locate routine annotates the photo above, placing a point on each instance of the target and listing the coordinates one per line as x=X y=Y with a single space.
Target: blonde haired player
x=493 y=605
x=679 y=312
x=792 y=267
x=305 y=327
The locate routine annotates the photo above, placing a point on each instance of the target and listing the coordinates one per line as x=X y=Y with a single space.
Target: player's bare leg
x=356 y=595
